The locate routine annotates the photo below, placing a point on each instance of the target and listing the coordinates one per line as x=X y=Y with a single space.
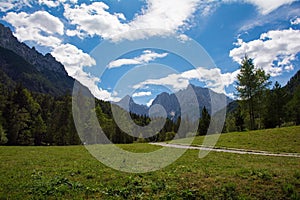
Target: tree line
x=259 y=106
x=28 y=118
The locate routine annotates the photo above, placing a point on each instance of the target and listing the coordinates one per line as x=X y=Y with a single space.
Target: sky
x=144 y=47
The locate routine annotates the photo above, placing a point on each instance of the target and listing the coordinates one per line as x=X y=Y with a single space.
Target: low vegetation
x=72 y=173
x=278 y=140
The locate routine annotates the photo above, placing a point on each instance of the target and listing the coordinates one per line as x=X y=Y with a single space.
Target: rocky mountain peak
x=38 y=60
x=26 y=65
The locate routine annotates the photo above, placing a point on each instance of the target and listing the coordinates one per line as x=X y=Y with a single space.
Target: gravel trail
x=228 y=150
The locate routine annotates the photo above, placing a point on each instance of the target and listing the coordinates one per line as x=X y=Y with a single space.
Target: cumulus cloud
x=213 y=78
x=166 y=15
x=72 y=58
x=141 y=94
x=94 y=19
x=13 y=4
x=40 y=27
x=49 y=3
x=75 y=60
x=158 y=18
x=146 y=57
x=274 y=51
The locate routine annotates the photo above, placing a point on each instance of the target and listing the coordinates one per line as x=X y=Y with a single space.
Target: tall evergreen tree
x=251 y=84
x=274 y=113
x=294 y=108
x=239 y=119
x=204 y=122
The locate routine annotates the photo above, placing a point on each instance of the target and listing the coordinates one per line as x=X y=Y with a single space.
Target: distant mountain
x=128 y=104
x=293 y=83
x=170 y=102
x=38 y=73
x=173 y=103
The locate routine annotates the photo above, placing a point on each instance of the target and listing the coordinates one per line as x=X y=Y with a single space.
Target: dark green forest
x=29 y=118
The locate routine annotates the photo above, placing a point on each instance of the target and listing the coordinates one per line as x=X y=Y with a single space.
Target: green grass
x=72 y=173
x=285 y=140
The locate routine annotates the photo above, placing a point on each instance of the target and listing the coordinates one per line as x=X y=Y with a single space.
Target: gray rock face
x=174 y=104
x=41 y=62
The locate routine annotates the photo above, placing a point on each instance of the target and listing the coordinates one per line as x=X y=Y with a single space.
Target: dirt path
x=228 y=150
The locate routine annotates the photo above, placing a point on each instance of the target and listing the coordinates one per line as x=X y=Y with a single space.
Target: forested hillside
x=265 y=107
x=37 y=72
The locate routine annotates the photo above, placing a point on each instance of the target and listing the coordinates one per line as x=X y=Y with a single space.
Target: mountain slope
x=128 y=104
x=35 y=71
x=293 y=83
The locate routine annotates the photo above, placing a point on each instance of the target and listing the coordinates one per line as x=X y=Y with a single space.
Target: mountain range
x=175 y=102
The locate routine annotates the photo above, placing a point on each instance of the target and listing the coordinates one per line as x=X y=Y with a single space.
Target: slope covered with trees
x=259 y=106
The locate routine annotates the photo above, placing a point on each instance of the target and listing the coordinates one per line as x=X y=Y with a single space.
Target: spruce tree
x=251 y=84
x=204 y=122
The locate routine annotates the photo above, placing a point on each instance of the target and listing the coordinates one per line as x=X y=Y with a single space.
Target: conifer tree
x=251 y=84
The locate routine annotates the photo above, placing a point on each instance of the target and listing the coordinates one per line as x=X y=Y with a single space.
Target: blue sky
x=88 y=36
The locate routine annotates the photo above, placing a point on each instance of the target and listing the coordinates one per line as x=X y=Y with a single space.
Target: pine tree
x=294 y=108
x=251 y=84
x=274 y=114
x=239 y=119
x=204 y=122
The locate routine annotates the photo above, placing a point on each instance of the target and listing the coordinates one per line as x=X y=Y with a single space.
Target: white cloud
x=5 y=6
x=176 y=81
x=264 y=7
x=213 y=78
x=92 y=83
x=295 y=21
x=13 y=4
x=267 y=6
x=158 y=18
x=289 y=68
x=165 y=15
x=141 y=94
x=49 y=3
x=74 y=60
x=273 y=51
x=183 y=38
x=149 y=102
x=285 y=13
x=146 y=57
x=94 y=19
x=9 y=5
x=40 y=27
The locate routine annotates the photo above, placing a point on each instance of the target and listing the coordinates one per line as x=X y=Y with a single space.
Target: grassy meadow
x=72 y=173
